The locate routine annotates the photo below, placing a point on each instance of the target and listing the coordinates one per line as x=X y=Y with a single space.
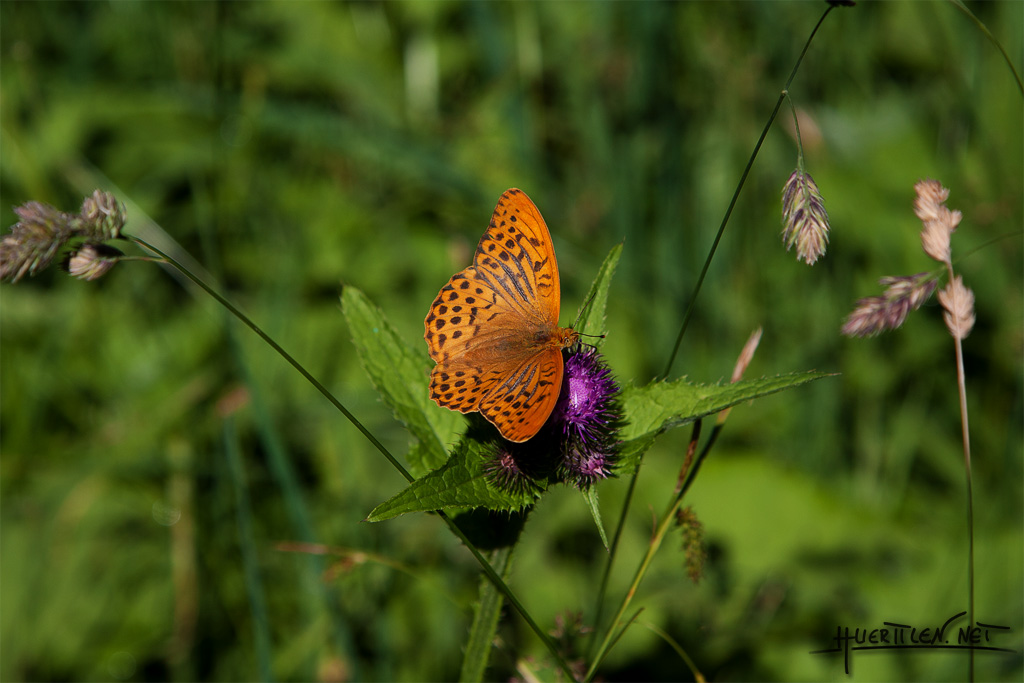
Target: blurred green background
x=154 y=453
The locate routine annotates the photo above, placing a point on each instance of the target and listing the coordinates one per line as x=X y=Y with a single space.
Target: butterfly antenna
x=579 y=317
x=583 y=309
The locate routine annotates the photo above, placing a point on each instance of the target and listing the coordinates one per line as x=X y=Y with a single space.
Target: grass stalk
x=961 y=381
x=486 y=616
x=736 y=196
x=250 y=562
x=959 y=4
x=281 y=352
x=693 y=298
x=660 y=531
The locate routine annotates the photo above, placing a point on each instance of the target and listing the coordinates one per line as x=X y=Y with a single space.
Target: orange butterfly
x=493 y=329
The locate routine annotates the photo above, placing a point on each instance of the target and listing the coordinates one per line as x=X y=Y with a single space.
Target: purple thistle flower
x=588 y=415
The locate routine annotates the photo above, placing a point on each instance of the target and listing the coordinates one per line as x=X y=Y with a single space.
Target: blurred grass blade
x=247 y=542
x=486 y=615
x=988 y=34
x=318 y=600
x=590 y=496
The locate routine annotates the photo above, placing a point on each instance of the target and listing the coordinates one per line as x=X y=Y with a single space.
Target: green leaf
x=592 y=317
x=459 y=483
x=652 y=409
x=486 y=615
x=401 y=375
x=590 y=495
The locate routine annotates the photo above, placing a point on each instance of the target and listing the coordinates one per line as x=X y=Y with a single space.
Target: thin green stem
x=796 y=127
x=151 y=259
x=690 y=305
x=484 y=564
x=281 y=352
x=625 y=627
x=694 y=671
x=735 y=197
x=602 y=591
x=667 y=520
x=966 y=435
x=984 y=29
x=612 y=632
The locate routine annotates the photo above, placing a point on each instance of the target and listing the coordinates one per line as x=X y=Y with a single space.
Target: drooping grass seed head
x=34 y=240
x=958 y=307
x=101 y=217
x=804 y=219
x=42 y=231
x=91 y=261
x=875 y=314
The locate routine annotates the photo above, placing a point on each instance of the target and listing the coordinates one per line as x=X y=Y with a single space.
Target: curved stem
x=735 y=197
x=1009 y=62
x=652 y=548
x=961 y=381
x=599 y=608
x=484 y=564
x=796 y=127
x=281 y=352
x=675 y=350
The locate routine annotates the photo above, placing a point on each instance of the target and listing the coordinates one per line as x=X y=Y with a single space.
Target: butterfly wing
x=493 y=328
x=521 y=402
x=508 y=298
x=476 y=339
x=517 y=257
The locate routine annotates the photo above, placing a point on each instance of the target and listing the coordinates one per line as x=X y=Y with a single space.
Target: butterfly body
x=493 y=328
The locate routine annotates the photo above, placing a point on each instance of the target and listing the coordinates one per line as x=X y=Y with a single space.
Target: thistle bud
x=507 y=467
